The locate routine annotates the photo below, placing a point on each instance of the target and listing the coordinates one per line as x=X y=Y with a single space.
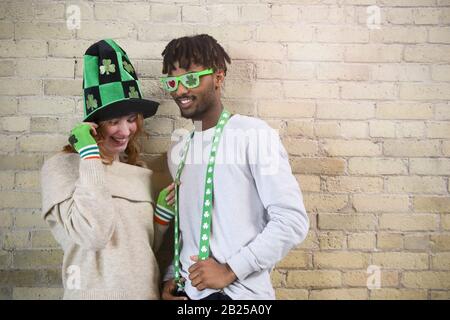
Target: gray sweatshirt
x=258 y=213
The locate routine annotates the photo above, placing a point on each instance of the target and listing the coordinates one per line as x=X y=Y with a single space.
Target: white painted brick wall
x=363 y=111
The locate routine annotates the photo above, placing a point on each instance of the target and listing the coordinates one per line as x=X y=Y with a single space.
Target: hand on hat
x=83 y=142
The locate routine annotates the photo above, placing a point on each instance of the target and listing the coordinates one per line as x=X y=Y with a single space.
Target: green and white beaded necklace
x=205 y=228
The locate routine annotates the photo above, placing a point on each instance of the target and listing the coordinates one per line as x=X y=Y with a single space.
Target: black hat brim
x=122 y=108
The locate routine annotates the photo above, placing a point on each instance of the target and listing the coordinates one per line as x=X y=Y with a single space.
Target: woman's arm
x=164 y=213
x=84 y=212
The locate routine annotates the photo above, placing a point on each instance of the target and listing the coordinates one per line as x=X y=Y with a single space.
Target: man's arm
x=281 y=196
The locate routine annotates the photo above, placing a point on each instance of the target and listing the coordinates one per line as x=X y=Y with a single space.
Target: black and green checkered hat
x=110 y=84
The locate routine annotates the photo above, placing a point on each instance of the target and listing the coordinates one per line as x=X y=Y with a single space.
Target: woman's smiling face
x=117 y=133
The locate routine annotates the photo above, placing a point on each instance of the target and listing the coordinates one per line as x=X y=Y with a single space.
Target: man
x=236 y=218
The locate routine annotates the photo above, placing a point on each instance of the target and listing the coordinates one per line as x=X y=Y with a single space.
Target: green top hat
x=110 y=84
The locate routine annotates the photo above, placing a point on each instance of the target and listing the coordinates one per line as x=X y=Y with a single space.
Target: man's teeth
x=185 y=100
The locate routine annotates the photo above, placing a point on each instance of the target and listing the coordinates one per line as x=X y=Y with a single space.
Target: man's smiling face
x=194 y=102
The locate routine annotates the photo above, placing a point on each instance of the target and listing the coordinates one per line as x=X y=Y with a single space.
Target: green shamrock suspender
x=205 y=229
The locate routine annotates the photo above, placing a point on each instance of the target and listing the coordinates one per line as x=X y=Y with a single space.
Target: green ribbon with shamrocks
x=205 y=228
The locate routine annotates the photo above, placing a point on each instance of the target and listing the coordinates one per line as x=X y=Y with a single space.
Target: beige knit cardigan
x=102 y=216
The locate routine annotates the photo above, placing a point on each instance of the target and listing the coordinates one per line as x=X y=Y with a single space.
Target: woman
x=97 y=193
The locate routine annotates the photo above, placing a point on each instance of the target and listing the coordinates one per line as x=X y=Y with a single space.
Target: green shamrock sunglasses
x=189 y=80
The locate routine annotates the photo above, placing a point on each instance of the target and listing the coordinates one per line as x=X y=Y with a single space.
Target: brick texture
x=363 y=112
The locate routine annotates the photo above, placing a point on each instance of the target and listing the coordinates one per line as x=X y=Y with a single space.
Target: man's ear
x=219 y=78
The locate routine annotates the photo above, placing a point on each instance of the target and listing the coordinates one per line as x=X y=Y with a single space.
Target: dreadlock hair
x=200 y=49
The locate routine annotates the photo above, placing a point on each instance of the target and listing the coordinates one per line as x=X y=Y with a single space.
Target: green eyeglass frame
x=189 y=80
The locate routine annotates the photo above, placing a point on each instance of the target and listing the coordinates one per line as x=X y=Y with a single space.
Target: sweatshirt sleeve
x=280 y=195
x=88 y=216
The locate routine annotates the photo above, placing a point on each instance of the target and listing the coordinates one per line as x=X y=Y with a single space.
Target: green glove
x=164 y=212
x=83 y=142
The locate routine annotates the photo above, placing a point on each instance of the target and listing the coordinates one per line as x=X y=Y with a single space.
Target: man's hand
x=210 y=274
x=169 y=289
